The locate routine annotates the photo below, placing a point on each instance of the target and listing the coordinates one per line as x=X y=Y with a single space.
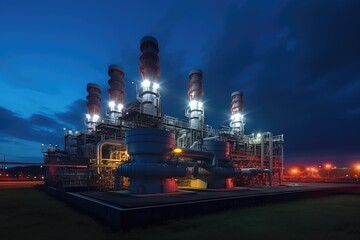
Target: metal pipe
x=99 y=146
x=191 y=153
x=254 y=171
x=211 y=138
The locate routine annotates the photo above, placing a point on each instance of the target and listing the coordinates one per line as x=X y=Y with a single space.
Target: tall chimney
x=150 y=72
x=195 y=93
x=237 y=117
x=93 y=105
x=115 y=91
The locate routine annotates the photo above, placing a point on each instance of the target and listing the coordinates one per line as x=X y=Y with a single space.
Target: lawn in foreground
x=28 y=213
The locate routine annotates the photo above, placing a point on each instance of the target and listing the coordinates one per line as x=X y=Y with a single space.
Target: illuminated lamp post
x=294 y=171
x=357 y=169
x=328 y=167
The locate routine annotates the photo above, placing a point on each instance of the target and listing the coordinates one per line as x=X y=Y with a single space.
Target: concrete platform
x=123 y=210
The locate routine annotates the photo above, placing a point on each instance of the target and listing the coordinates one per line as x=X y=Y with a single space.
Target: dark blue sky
x=297 y=62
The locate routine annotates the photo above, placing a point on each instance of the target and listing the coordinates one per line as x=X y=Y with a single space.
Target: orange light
x=177 y=150
x=328 y=166
x=357 y=167
x=294 y=171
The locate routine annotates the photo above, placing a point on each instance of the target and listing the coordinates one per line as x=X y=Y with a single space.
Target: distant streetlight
x=357 y=169
x=328 y=166
x=294 y=171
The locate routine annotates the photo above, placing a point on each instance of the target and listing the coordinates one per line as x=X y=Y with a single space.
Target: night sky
x=297 y=62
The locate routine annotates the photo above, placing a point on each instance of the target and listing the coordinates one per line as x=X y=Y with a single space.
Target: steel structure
x=135 y=146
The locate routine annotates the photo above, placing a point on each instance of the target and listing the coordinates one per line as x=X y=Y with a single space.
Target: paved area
x=124 y=200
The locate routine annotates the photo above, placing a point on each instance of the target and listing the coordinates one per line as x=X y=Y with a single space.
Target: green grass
x=28 y=213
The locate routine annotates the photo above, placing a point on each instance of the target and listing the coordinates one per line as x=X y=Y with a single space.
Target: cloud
x=328 y=35
x=37 y=128
x=297 y=63
x=74 y=115
x=40 y=127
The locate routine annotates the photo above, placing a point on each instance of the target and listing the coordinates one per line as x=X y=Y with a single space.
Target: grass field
x=28 y=213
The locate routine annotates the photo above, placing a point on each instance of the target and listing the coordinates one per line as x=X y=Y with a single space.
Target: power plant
x=134 y=166
x=135 y=148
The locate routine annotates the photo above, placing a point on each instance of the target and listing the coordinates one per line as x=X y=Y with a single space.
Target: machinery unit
x=135 y=147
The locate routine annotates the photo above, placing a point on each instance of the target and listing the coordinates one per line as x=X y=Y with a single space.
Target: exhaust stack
x=93 y=105
x=150 y=72
x=115 y=91
x=195 y=110
x=237 y=117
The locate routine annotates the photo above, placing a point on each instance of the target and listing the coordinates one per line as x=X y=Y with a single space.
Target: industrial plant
x=134 y=147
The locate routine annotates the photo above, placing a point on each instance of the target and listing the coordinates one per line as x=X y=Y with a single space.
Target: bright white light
x=145 y=83
x=156 y=86
x=258 y=135
x=111 y=105
x=237 y=116
x=120 y=107
x=87 y=117
x=192 y=104
x=96 y=118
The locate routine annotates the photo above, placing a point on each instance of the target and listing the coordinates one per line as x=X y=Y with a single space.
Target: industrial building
x=136 y=147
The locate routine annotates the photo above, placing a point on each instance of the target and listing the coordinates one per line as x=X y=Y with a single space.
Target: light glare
x=111 y=105
x=120 y=107
x=145 y=83
x=156 y=86
x=96 y=118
